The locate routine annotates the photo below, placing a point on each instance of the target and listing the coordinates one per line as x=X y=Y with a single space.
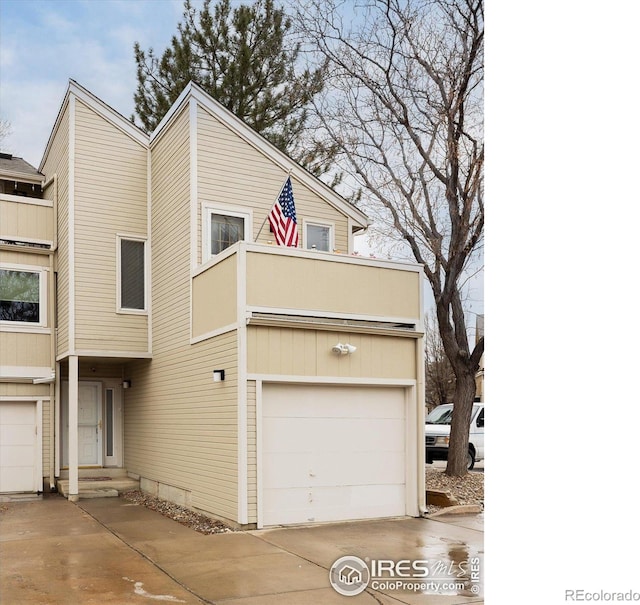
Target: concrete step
x=108 y=488
x=96 y=472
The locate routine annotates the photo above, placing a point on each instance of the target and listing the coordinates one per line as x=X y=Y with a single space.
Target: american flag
x=282 y=217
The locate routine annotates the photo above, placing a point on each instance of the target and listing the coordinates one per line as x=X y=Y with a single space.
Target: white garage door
x=332 y=453
x=18 y=447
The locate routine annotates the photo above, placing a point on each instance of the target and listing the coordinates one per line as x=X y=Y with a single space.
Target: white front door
x=89 y=423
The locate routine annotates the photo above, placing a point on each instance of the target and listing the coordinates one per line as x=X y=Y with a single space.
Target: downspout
x=53 y=404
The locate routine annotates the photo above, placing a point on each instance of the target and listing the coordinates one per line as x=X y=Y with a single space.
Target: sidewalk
x=111 y=551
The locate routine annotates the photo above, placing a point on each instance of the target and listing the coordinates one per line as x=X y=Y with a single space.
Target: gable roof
x=102 y=109
x=239 y=127
x=12 y=167
x=256 y=140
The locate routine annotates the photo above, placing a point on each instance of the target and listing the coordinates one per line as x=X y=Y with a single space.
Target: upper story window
x=318 y=236
x=221 y=229
x=22 y=296
x=131 y=274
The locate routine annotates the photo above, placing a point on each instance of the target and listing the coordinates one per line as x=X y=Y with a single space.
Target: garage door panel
x=18 y=449
x=17 y=479
x=373 y=403
x=17 y=434
x=17 y=455
x=334 y=504
x=332 y=434
x=286 y=471
x=372 y=469
x=332 y=453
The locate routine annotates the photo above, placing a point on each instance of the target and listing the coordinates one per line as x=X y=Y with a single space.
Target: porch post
x=73 y=428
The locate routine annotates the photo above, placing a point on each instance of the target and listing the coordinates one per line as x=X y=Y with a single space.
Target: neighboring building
x=151 y=324
x=480 y=372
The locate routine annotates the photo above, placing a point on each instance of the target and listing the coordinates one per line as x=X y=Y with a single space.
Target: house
x=157 y=328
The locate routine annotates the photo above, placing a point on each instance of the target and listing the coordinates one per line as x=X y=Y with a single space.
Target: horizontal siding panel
x=233 y=172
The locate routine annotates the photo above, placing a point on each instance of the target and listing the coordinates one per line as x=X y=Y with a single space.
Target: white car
x=438 y=426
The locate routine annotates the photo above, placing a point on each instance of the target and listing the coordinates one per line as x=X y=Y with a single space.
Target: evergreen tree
x=244 y=58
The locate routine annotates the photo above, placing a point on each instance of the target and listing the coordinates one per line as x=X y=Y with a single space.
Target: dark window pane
x=19 y=296
x=109 y=414
x=225 y=231
x=318 y=237
x=132 y=274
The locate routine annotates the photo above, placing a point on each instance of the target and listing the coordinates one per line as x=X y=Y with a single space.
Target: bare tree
x=440 y=380
x=404 y=106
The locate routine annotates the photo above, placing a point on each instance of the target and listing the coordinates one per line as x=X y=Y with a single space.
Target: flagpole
x=277 y=196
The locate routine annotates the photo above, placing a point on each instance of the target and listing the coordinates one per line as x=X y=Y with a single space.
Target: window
x=222 y=229
x=22 y=296
x=131 y=281
x=318 y=237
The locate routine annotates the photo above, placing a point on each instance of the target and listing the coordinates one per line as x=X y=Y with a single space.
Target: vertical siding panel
x=252 y=468
x=181 y=428
x=110 y=199
x=57 y=162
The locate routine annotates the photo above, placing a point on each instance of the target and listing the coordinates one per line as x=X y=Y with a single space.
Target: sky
x=561 y=249
x=44 y=43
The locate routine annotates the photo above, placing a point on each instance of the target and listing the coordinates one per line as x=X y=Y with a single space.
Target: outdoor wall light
x=218 y=375
x=126 y=384
x=345 y=349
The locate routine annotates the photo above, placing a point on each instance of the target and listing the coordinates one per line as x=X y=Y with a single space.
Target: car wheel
x=470 y=459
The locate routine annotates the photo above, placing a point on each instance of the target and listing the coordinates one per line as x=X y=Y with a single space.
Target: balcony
x=273 y=285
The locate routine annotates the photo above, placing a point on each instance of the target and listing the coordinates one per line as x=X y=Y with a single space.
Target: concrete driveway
x=112 y=551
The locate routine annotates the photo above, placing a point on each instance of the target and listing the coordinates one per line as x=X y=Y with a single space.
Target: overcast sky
x=43 y=43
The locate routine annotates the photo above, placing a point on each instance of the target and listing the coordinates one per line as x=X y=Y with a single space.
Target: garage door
x=332 y=453
x=18 y=447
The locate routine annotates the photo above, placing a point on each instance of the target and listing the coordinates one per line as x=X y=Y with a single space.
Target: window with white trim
x=221 y=229
x=132 y=278
x=318 y=236
x=22 y=296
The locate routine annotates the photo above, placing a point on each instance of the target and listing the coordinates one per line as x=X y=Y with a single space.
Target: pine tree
x=244 y=58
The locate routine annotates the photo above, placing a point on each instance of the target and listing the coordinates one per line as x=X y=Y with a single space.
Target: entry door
x=89 y=423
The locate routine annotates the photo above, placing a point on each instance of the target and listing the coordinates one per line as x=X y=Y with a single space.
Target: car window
x=480 y=418
x=441 y=415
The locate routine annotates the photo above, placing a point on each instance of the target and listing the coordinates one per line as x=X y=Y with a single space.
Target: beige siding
x=110 y=199
x=23 y=349
x=294 y=352
x=335 y=287
x=181 y=427
x=12 y=257
x=46 y=438
x=232 y=173
x=14 y=389
x=23 y=220
x=214 y=297
x=252 y=464
x=58 y=164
